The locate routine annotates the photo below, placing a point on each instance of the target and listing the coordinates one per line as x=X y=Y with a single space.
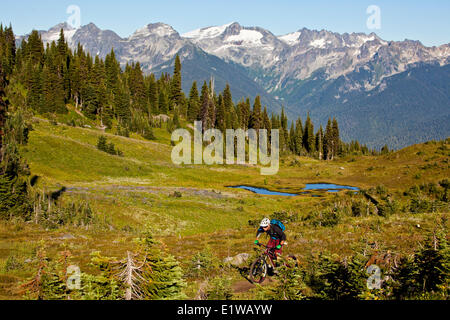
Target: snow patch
x=319 y=43
x=161 y=31
x=205 y=33
x=164 y=31
x=68 y=35
x=248 y=36
x=54 y=36
x=291 y=38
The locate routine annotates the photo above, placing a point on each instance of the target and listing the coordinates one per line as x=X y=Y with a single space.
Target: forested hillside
x=128 y=101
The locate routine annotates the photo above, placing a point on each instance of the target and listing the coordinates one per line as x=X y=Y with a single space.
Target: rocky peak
x=233 y=29
x=65 y=26
x=155 y=30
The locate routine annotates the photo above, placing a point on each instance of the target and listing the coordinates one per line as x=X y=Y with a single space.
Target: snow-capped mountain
x=297 y=55
x=94 y=40
x=247 y=46
x=320 y=72
x=153 y=45
x=53 y=33
x=275 y=61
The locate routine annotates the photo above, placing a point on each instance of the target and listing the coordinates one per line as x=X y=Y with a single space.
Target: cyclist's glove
x=279 y=246
x=256 y=241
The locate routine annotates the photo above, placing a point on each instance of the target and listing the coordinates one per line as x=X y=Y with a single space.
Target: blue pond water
x=329 y=187
x=265 y=191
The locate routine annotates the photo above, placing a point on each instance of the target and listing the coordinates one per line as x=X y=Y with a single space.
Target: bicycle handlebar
x=265 y=246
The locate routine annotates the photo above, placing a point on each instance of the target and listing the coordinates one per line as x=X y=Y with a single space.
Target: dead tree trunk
x=131 y=276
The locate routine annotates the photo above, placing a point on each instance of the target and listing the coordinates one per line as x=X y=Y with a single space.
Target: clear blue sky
x=427 y=21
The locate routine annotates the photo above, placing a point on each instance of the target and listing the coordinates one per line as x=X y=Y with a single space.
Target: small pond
x=265 y=191
x=328 y=187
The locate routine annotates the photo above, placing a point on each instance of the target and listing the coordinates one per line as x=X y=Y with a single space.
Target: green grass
x=134 y=194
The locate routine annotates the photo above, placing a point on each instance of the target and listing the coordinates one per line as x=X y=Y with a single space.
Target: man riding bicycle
x=277 y=236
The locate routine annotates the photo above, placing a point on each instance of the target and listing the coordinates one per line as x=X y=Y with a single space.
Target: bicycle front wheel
x=258 y=271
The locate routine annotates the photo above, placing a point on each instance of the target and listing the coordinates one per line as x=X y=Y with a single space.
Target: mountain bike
x=260 y=267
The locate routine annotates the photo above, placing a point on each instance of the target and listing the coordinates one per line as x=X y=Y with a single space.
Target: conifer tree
x=53 y=84
x=292 y=138
x=14 y=172
x=339 y=280
x=153 y=94
x=328 y=142
x=102 y=144
x=212 y=112
x=256 y=118
x=175 y=90
x=61 y=45
x=273 y=121
x=284 y=130
x=308 y=136
x=298 y=136
x=335 y=137
x=290 y=285
x=276 y=124
x=163 y=102
x=234 y=118
x=319 y=143
x=193 y=103
x=111 y=149
x=221 y=117
x=243 y=112
x=148 y=133
x=122 y=107
x=90 y=103
x=78 y=73
x=35 y=48
x=204 y=111
x=248 y=113
x=62 y=62
x=112 y=73
x=7 y=50
x=426 y=273
x=176 y=119
x=3 y=107
x=33 y=75
x=228 y=106
x=164 y=276
x=137 y=88
x=266 y=121
x=99 y=85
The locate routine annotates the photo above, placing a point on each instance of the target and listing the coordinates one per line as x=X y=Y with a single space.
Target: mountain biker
x=277 y=236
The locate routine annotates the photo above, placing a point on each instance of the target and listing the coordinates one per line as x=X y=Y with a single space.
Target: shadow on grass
x=244 y=272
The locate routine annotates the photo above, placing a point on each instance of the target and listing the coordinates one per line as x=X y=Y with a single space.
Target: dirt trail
x=245 y=285
x=153 y=189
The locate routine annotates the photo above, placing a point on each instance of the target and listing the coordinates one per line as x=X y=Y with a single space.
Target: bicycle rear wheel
x=258 y=271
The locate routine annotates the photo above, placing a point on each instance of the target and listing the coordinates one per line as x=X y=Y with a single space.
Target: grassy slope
x=133 y=193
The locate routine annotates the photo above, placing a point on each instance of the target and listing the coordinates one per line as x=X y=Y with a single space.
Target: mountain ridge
x=298 y=70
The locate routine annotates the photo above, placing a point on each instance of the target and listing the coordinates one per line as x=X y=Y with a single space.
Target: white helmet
x=265 y=223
